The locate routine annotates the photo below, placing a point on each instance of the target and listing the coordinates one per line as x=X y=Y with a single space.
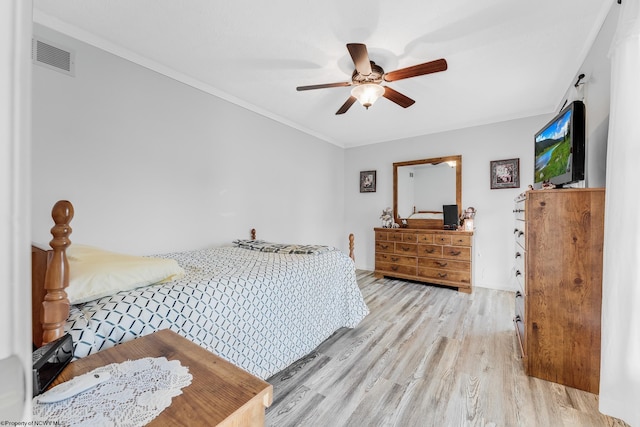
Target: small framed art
x=505 y=173
x=368 y=181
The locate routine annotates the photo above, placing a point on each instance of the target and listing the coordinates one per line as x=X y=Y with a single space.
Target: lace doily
x=136 y=393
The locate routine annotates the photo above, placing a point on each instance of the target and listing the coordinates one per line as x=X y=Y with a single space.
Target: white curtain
x=620 y=364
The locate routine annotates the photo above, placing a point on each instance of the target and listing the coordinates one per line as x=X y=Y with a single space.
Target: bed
x=257 y=304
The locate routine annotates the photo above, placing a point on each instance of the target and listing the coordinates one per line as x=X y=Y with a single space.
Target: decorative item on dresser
x=440 y=257
x=558 y=268
x=387 y=218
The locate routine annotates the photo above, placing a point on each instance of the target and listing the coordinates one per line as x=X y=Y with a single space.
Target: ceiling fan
x=367 y=79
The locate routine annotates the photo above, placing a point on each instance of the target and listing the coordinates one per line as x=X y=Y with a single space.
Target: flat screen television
x=560 y=148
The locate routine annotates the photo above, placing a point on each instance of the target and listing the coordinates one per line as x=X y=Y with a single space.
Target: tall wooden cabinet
x=558 y=267
x=441 y=257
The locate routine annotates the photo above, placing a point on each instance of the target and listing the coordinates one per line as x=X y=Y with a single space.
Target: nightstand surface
x=220 y=394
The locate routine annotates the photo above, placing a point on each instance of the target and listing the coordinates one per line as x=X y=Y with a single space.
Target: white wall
x=478 y=147
x=594 y=90
x=153 y=165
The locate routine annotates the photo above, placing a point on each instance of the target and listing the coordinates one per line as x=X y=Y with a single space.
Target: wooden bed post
x=55 y=307
x=351 y=255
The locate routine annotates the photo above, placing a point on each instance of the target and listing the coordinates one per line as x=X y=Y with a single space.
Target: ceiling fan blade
x=416 y=70
x=346 y=105
x=397 y=97
x=360 y=56
x=323 y=86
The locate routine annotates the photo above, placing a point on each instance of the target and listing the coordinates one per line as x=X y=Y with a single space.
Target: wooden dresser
x=432 y=256
x=558 y=268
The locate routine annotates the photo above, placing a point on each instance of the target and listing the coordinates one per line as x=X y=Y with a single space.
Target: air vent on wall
x=52 y=56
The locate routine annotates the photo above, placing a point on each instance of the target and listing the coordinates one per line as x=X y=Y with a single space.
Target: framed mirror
x=422 y=187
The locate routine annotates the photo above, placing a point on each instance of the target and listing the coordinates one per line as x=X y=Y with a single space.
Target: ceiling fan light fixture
x=367 y=93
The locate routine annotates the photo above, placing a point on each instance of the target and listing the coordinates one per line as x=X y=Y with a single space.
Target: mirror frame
x=428 y=223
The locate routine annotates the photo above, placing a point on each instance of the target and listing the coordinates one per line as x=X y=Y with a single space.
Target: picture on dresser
x=505 y=173
x=368 y=181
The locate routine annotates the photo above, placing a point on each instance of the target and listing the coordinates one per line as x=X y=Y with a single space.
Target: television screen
x=559 y=148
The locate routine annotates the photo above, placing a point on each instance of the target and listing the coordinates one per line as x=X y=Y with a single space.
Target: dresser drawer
x=406 y=248
x=444 y=264
x=519 y=269
x=461 y=240
x=385 y=246
x=409 y=237
x=430 y=250
x=519 y=233
x=448 y=275
x=397 y=259
x=442 y=239
x=519 y=305
x=518 y=210
x=391 y=268
x=382 y=235
x=519 y=320
x=456 y=252
x=394 y=236
x=425 y=238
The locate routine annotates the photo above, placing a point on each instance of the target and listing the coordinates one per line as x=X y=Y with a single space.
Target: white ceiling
x=507 y=58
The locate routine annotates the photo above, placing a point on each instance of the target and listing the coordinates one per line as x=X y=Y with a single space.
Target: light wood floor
x=425 y=356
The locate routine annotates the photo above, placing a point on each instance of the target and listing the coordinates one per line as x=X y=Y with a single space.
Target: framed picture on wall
x=368 y=181
x=505 y=173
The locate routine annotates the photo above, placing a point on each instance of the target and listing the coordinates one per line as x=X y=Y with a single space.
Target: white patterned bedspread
x=261 y=311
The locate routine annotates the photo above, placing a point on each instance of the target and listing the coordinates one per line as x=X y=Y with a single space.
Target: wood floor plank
x=425 y=356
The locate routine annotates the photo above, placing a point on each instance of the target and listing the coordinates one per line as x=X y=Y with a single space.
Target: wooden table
x=220 y=394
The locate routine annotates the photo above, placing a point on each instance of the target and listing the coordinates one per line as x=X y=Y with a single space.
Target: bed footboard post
x=55 y=307
x=351 y=255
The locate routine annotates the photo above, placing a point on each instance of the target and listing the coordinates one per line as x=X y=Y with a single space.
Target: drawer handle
x=455 y=253
x=518 y=273
x=394 y=267
x=442 y=264
x=395 y=259
x=518 y=210
x=518 y=254
x=430 y=250
x=518 y=318
x=405 y=248
x=515 y=230
x=518 y=294
x=520 y=233
x=384 y=246
x=442 y=275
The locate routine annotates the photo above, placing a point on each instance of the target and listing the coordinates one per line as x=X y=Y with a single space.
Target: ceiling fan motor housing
x=375 y=77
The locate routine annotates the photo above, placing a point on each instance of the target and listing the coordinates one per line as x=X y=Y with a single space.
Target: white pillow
x=95 y=273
